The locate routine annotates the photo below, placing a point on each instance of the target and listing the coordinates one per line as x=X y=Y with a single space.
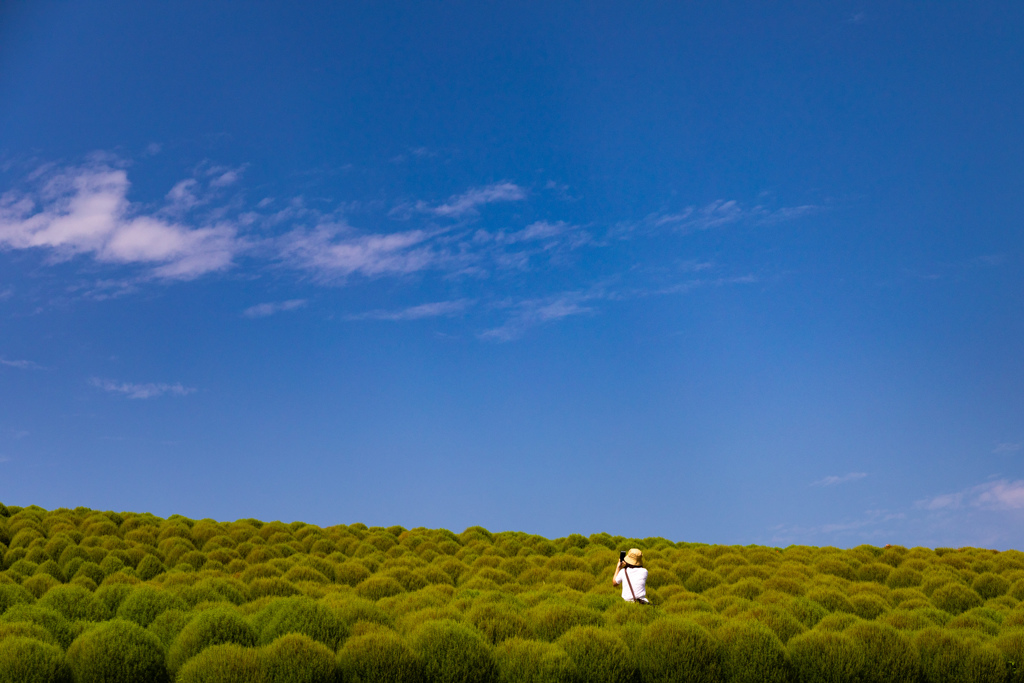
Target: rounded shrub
x=598 y=655
x=674 y=649
x=781 y=622
x=701 y=580
x=452 y=652
x=1011 y=644
x=211 y=627
x=752 y=653
x=52 y=621
x=304 y=615
x=906 y=620
x=379 y=656
x=273 y=587
x=117 y=651
x=989 y=585
x=868 y=606
x=551 y=618
x=295 y=658
x=145 y=603
x=889 y=656
x=351 y=573
x=831 y=599
x=38 y=584
x=532 y=661
x=825 y=657
x=904 y=577
x=26 y=629
x=498 y=621
x=13 y=594
x=877 y=572
x=806 y=611
x=377 y=587
x=955 y=598
x=27 y=660
x=75 y=603
x=949 y=658
x=226 y=663
x=168 y=625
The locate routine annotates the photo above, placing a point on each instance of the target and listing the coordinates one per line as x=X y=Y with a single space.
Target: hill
x=88 y=595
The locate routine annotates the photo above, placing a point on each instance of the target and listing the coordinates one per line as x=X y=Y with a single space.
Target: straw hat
x=635 y=558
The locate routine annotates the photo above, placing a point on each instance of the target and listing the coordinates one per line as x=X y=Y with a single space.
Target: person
x=631 y=574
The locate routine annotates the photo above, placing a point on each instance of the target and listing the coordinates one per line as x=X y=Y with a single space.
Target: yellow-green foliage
x=380 y=655
x=104 y=593
x=117 y=651
x=211 y=627
x=27 y=660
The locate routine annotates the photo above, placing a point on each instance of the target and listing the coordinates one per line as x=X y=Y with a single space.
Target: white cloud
x=270 y=308
x=140 y=391
x=840 y=479
x=21 y=364
x=85 y=211
x=998 y=495
x=430 y=310
x=716 y=214
x=468 y=202
x=326 y=251
x=533 y=312
x=1007 y=447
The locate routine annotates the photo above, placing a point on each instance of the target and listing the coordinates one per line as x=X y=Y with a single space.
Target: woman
x=633 y=577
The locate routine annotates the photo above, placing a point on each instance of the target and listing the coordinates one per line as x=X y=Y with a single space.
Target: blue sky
x=723 y=272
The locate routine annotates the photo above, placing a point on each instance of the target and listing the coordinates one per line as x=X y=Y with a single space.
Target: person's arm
x=615 y=579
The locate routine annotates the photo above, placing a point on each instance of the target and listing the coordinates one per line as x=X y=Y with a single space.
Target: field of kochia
x=90 y=596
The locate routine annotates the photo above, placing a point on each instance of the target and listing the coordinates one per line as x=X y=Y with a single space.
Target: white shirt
x=638 y=579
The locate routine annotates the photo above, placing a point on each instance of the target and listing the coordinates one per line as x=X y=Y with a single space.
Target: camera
x=622 y=556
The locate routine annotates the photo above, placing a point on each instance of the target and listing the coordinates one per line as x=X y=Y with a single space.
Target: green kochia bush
x=552 y=618
x=599 y=655
x=300 y=614
x=117 y=651
x=26 y=660
x=13 y=594
x=674 y=649
x=955 y=598
x=825 y=657
x=75 y=603
x=948 y=658
x=380 y=655
x=212 y=627
x=52 y=621
x=145 y=603
x=533 y=661
x=295 y=658
x=753 y=654
x=227 y=663
x=452 y=652
x=889 y=656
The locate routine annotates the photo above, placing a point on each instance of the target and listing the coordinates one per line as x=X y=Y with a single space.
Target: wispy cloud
x=469 y=202
x=141 y=391
x=713 y=215
x=1000 y=494
x=533 y=312
x=333 y=252
x=21 y=364
x=435 y=309
x=833 y=480
x=85 y=211
x=270 y=308
x=1007 y=447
